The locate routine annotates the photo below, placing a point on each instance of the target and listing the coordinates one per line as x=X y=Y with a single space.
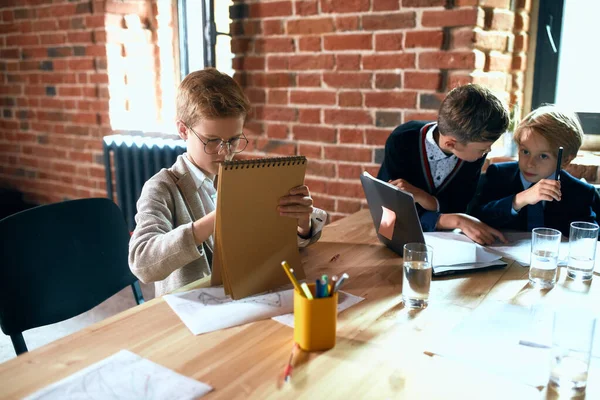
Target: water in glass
x=416 y=283
x=542 y=272
x=568 y=374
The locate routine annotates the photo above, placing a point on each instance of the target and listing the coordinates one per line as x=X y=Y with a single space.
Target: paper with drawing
x=210 y=309
x=124 y=375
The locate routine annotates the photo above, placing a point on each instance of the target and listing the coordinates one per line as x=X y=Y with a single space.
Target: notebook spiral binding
x=264 y=162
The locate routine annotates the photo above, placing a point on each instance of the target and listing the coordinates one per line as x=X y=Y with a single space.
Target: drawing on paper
x=271 y=299
x=124 y=376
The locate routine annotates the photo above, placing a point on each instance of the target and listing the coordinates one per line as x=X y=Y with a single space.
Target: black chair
x=60 y=260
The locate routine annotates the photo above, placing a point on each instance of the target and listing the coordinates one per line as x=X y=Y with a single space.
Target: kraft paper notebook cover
x=251 y=238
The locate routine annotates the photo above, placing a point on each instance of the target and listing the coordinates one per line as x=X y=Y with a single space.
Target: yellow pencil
x=306 y=290
x=290 y=274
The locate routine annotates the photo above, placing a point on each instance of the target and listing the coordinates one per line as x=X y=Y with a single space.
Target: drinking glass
x=572 y=342
x=545 y=243
x=416 y=275
x=582 y=250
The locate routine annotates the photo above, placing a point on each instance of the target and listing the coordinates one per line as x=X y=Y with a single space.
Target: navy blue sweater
x=579 y=201
x=406 y=158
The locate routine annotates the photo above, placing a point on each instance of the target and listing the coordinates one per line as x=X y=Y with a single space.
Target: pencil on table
x=287 y=372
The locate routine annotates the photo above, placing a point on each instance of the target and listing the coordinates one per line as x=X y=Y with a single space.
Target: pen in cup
x=324 y=286
x=318 y=289
x=306 y=291
x=290 y=273
x=334 y=279
x=340 y=282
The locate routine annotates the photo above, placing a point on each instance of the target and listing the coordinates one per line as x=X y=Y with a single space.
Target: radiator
x=136 y=159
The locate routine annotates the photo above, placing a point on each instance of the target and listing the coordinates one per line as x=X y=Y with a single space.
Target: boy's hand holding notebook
x=251 y=235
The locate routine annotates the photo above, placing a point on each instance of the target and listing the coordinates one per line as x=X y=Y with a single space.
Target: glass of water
x=583 y=237
x=416 y=276
x=545 y=243
x=572 y=342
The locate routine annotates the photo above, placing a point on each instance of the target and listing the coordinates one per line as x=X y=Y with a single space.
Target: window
x=204 y=38
x=566 y=59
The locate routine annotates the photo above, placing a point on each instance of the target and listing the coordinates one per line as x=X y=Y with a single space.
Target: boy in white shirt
x=173 y=241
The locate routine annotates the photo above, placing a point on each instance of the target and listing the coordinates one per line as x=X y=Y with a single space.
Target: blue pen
x=324 y=286
x=318 y=290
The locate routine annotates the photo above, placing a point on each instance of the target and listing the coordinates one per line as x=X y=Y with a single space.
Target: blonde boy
x=173 y=241
x=526 y=194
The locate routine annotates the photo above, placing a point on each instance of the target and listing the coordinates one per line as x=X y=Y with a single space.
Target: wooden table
x=380 y=344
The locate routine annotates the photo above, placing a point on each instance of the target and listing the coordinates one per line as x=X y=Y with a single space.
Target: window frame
x=209 y=35
x=545 y=76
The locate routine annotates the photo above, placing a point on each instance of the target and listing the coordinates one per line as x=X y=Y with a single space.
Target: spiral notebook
x=251 y=238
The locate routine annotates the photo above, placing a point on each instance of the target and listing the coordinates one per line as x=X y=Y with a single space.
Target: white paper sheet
x=442 y=270
x=454 y=252
x=207 y=310
x=124 y=375
x=489 y=338
x=519 y=249
x=453 y=248
x=345 y=300
x=450 y=248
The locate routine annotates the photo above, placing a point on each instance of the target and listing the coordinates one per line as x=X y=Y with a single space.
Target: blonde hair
x=559 y=127
x=210 y=94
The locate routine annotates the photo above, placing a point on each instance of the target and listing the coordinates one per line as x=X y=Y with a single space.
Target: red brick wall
x=54 y=98
x=330 y=79
x=54 y=94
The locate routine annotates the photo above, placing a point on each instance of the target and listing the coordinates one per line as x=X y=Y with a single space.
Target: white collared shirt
x=440 y=164
x=206 y=190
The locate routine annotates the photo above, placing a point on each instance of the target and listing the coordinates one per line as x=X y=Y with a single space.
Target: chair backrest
x=60 y=260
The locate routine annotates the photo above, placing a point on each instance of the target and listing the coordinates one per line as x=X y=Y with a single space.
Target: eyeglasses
x=213 y=146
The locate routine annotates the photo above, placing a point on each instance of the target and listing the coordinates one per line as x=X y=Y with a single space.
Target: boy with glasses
x=173 y=241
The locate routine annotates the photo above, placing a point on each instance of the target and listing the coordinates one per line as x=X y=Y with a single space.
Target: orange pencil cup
x=315 y=321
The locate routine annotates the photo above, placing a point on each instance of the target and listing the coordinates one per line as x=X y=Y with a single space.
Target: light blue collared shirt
x=526 y=185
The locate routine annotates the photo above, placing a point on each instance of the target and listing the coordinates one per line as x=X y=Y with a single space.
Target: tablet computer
x=397 y=222
x=394 y=213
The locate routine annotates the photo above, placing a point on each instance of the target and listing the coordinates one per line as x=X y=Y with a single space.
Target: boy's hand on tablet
x=544 y=190
x=407 y=187
x=426 y=200
x=298 y=204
